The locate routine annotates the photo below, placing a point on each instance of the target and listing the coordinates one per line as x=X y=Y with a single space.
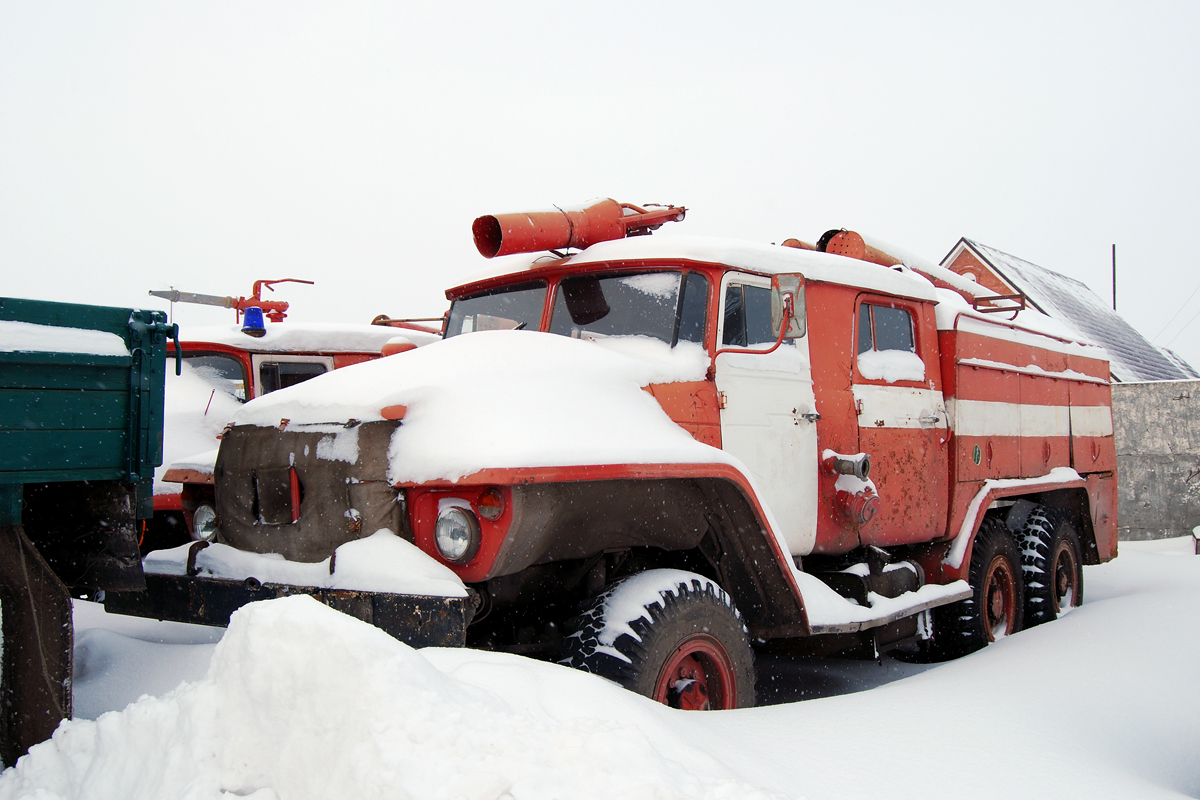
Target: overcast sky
x=204 y=145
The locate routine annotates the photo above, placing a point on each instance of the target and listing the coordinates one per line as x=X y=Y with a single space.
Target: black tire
x=997 y=604
x=1051 y=564
x=692 y=652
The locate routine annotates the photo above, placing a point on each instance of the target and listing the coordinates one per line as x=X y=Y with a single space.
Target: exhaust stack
x=578 y=227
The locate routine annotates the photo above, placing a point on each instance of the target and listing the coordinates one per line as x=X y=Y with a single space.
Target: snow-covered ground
x=297 y=701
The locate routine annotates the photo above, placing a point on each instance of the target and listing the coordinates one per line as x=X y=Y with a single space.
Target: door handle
x=928 y=419
x=811 y=416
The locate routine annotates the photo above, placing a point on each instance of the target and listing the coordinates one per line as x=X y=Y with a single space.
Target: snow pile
x=507 y=399
x=194 y=412
x=300 y=702
x=381 y=562
x=27 y=337
x=303 y=702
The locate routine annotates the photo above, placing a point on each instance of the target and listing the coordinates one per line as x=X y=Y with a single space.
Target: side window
x=693 y=309
x=747 y=316
x=276 y=375
x=885 y=328
x=887 y=349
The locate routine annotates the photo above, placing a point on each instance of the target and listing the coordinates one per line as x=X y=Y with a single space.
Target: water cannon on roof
x=274 y=310
x=569 y=226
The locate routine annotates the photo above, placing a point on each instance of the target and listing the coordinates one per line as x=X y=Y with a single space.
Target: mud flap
x=37 y=647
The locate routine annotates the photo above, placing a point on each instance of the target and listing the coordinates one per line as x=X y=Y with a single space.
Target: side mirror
x=784 y=285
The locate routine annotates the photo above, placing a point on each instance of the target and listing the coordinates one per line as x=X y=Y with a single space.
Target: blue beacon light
x=252 y=323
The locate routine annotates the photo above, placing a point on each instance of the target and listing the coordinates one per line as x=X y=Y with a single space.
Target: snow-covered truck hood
x=507 y=399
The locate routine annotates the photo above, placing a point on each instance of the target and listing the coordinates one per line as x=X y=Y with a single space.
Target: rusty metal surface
x=413 y=619
x=35 y=694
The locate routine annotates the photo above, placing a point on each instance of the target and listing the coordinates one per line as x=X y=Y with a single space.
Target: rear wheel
x=685 y=647
x=995 y=608
x=1051 y=565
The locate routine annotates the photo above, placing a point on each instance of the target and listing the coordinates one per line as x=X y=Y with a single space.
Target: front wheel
x=670 y=635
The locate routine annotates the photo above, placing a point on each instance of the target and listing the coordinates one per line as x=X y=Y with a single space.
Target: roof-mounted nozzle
x=571 y=226
x=275 y=310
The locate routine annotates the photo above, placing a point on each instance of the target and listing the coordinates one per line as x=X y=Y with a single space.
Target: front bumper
x=416 y=620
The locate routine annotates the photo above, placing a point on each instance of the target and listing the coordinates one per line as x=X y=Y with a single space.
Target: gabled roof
x=1132 y=358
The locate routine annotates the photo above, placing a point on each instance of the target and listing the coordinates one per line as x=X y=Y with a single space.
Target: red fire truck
x=652 y=456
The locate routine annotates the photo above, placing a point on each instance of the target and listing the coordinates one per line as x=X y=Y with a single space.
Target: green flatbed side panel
x=58 y=409
x=37 y=451
x=81 y=416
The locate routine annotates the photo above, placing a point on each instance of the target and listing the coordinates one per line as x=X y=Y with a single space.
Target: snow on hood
x=322 y=337
x=301 y=701
x=507 y=399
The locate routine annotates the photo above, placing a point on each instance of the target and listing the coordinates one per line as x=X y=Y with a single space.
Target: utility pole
x=1114 y=277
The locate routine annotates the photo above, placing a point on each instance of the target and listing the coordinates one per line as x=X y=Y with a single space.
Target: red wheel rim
x=698 y=675
x=1065 y=575
x=999 y=600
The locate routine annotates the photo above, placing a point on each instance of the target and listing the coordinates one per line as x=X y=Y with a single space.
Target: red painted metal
x=393 y=412
x=999 y=599
x=168 y=502
x=294 y=487
x=561 y=228
x=697 y=676
x=394 y=348
x=692 y=405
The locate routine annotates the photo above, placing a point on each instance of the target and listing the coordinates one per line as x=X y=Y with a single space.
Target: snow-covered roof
x=754 y=256
x=320 y=337
x=1071 y=302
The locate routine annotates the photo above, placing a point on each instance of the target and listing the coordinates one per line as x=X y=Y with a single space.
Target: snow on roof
x=29 y=337
x=323 y=337
x=1071 y=302
x=754 y=256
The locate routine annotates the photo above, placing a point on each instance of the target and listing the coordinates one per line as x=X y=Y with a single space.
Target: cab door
x=768 y=412
x=902 y=421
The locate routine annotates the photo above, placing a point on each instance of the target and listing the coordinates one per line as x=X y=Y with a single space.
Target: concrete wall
x=1157 y=427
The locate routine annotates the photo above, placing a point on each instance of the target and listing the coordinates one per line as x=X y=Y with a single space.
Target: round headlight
x=204 y=522
x=457 y=534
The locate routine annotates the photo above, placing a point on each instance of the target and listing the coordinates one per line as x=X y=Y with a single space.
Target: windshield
x=511 y=308
x=668 y=306
x=220 y=371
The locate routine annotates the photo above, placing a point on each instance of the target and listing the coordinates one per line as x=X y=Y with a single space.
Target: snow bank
x=507 y=399
x=300 y=702
x=27 y=337
x=303 y=702
x=381 y=562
